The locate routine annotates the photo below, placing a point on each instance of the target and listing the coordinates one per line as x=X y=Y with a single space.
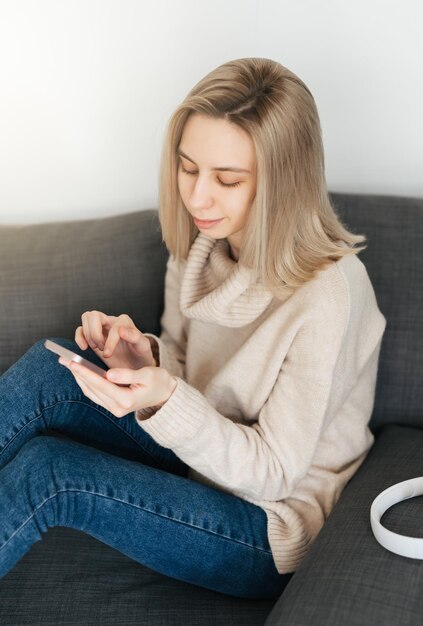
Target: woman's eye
x=229 y=184
x=187 y=171
x=219 y=181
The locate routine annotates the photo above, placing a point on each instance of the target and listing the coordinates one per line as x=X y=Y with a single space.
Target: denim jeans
x=66 y=461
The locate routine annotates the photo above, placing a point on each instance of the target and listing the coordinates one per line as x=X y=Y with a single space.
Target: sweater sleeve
x=169 y=349
x=265 y=460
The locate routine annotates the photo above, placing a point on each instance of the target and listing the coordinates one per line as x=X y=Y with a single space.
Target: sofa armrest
x=347 y=578
x=51 y=273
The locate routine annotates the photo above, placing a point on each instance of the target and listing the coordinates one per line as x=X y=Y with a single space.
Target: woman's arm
x=267 y=459
x=314 y=421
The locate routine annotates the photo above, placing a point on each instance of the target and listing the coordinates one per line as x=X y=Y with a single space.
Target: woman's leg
x=37 y=395
x=181 y=528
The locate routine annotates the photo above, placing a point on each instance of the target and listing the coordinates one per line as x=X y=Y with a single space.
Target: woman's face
x=216 y=177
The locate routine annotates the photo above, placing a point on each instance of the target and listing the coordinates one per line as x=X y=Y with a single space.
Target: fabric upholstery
x=71 y=579
x=51 y=273
x=348 y=578
x=394 y=261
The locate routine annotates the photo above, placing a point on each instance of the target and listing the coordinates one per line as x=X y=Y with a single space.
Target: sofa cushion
x=347 y=577
x=394 y=261
x=51 y=273
x=70 y=578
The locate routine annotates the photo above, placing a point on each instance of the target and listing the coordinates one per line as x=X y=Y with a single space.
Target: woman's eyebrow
x=216 y=169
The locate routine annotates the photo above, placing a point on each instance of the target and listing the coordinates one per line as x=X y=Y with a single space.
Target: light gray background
x=87 y=87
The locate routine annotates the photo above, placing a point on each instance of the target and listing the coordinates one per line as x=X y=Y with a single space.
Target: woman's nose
x=201 y=196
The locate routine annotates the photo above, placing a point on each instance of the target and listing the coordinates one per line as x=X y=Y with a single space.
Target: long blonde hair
x=293 y=231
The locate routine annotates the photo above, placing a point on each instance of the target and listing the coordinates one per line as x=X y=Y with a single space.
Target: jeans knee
x=42 y=468
x=41 y=447
x=38 y=350
x=42 y=454
x=39 y=368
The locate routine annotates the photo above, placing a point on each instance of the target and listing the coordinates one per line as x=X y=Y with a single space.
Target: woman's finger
x=124 y=376
x=86 y=329
x=93 y=323
x=79 y=375
x=98 y=397
x=87 y=391
x=138 y=340
x=112 y=340
x=120 y=329
x=80 y=338
x=130 y=334
x=148 y=386
x=113 y=395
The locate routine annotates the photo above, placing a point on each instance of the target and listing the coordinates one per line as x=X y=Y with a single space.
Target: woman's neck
x=233 y=253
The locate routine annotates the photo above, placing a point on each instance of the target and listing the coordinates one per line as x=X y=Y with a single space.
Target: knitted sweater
x=273 y=397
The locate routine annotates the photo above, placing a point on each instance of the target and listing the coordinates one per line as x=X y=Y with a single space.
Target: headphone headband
x=411 y=547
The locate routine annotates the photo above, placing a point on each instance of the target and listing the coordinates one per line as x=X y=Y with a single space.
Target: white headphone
x=400 y=544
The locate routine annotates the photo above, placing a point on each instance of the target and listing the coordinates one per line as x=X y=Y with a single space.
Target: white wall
x=363 y=62
x=87 y=87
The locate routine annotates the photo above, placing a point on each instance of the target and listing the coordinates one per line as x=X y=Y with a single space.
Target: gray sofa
x=51 y=273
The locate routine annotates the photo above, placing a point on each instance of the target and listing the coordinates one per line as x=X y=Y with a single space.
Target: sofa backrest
x=51 y=273
x=394 y=261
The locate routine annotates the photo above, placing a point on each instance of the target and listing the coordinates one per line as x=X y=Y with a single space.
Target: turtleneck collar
x=215 y=288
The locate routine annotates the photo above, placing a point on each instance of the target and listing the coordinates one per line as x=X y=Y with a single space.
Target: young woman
x=215 y=452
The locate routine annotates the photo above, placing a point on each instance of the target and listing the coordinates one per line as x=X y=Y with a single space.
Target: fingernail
x=113 y=376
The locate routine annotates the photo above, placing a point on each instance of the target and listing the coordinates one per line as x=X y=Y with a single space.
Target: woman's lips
x=206 y=223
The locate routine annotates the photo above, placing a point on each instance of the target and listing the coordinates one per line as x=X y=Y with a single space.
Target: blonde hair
x=293 y=231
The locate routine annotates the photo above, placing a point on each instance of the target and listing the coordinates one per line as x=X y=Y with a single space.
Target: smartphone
x=72 y=356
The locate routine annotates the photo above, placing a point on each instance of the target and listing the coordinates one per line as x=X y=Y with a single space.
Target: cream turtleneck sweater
x=273 y=397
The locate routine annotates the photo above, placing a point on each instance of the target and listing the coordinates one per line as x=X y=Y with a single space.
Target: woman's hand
x=115 y=340
x=130 y=390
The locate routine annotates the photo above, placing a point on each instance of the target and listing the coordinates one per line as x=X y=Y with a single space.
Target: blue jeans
x=108 y=478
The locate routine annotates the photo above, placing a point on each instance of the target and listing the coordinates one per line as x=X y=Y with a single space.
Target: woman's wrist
x=151 y=410
x=172 y=386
